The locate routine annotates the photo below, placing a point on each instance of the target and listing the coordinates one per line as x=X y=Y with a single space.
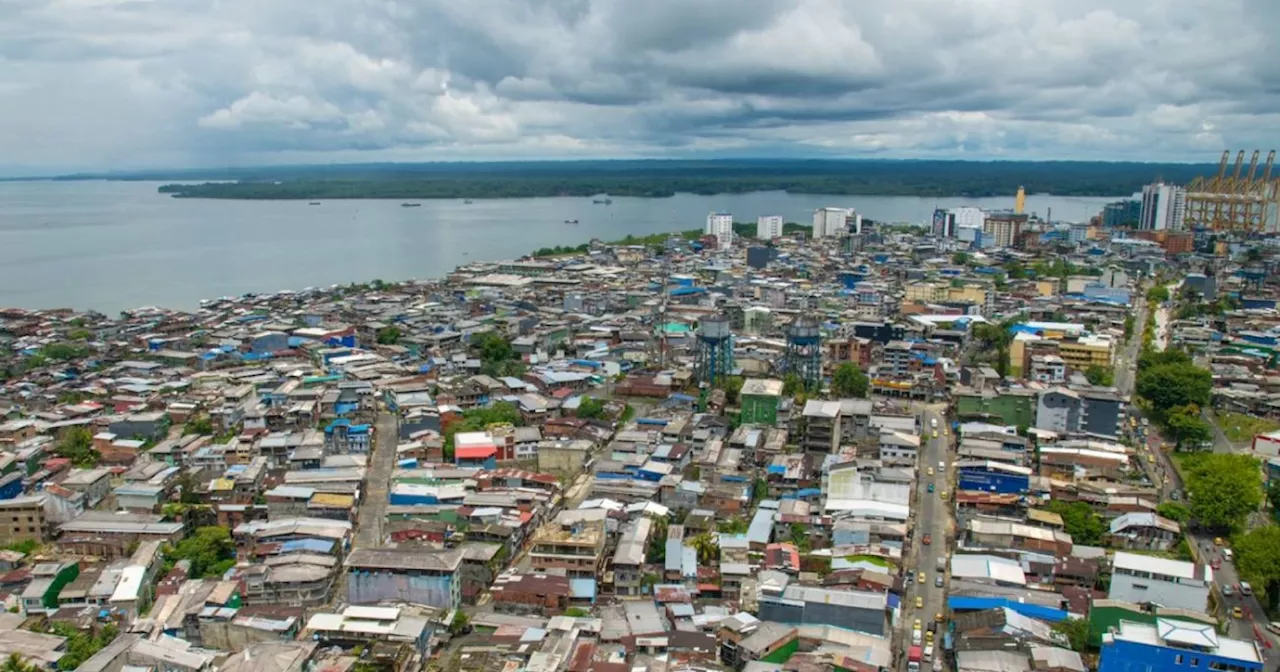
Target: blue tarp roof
x=309 y=545
x=961 y=603
x=583 y=589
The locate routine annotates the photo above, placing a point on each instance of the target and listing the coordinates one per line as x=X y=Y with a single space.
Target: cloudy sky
x=96 y=84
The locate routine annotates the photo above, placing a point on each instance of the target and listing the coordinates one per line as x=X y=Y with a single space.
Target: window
x=1195 y=662
x=1177 y=660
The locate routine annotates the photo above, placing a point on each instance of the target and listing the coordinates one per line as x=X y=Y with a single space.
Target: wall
x=1133 y=657
x=1057 y=412
x=365 y=587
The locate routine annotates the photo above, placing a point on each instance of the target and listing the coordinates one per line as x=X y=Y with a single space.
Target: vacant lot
x=1241 y=428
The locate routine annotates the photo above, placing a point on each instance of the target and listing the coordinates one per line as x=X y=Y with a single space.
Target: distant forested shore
x=657 y=179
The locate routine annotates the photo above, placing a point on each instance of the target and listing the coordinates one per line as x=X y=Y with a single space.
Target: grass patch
x=870 y=559
x=1241 y=428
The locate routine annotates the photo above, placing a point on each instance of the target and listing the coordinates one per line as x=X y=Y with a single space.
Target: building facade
x=720 y=225
x=1163 y=206
x=769 y=227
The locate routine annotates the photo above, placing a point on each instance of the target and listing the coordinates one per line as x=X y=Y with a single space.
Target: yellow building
x=577 y=547
x=1087 y=351
x=1047 y=287
x=925 y=292
x=969 y=293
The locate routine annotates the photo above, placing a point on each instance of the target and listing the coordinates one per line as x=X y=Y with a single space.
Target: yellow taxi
x=938 y=617
x=1235 y=611
x=942 y=495
x=1217 y=541
x=929 y=471
x=920 y=577
x=917 y=625
x=919 y=602
x=928 y=637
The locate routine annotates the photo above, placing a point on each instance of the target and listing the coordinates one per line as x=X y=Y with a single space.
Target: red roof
x=475 y=452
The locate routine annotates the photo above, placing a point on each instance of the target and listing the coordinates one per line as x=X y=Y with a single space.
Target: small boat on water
x=314 y=203
x=570 y=221
x=603 y=201
x=467 y=202
x=411 y=205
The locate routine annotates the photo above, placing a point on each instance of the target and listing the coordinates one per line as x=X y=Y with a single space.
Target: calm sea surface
x=116 y=245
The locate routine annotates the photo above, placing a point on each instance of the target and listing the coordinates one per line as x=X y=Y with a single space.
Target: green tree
x=707 y=548
x=732 y=525
x=200 y=425
x=1258 y=561
x=1076 y=630
x=1158 y=294
x=460 y=622
x=1184 y=425
x=389 y=335
x=63 y=351
x=1223 y=489
x=1100 y=375
x=576 y=612
x=1080 y=521
x=81 y=645
x=16 y=663
x=590 y=408
x=477 y=419
x=733 y=388
x=1175 y=511
x=1273 y=494
x=210 y=550
x=960 y=258
x=1128 y=328
x=1015 y=270
x=77 y=445
x=792 y=384
x=1167 y=386
x=656 y=550
x=849 y=381
x=760 y=489
x=800 y=537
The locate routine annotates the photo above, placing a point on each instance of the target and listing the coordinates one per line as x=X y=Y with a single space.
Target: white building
x=1141 y=579
x=835 y=222
x=969 y=216
x=769 y=227
x=720 y=225
x=1163 y=206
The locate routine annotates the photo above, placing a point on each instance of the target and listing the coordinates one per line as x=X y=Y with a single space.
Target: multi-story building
x=570 y=543
x=628 y=559
x=828 y=222
x=1047 y=369
x=404 y=575
x=1173 y=645
x=22 y=518
x=1145 y=579
x=1163 y=206
x=720 y=225
x=970 y=216
x=768 y=227
x=1086 y=351
x=822 y=426
x=1089 y=411
x=1004 y=227
x=1128 y=211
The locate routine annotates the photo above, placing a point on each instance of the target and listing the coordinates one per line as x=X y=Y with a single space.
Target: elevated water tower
x=804 y=352
x=715 y=350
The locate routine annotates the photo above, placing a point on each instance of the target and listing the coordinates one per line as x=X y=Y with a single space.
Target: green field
x=1241 y=428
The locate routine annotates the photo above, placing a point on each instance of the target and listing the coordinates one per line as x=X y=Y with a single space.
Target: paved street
x=373 y=507
x=932 y=517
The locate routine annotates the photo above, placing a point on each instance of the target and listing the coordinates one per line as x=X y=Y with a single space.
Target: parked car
x=928 y=539
x=1216 y=563
x=937 y=581
x=1237 y=613
x=1227 y=591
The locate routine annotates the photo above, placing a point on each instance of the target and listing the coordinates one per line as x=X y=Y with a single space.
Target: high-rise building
x=1020 y=201
x=1004 y=227
x=1163 y=206
x=968 y=215
x=1120 y=213
x=836 y=222
x=720 y=225
x=768 y=227
x=944 y=224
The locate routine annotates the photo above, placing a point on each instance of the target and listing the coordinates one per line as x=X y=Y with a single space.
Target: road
x=373 y=506
x=1160 y=469
x=932 y=516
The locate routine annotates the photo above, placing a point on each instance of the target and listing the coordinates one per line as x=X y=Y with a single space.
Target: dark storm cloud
x=101 y=83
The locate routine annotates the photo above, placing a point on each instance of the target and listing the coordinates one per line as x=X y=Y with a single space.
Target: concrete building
x=759 y=400
x=1163 y=206
x=571 y=544
x=1065 y=410
x=1173 y=645
x=828 y=222
x=807 y=605
x=1004 y=227
x=22 y=518
x=1143 y=579
x=404 y=575
x=720 y=225
x=768 y=227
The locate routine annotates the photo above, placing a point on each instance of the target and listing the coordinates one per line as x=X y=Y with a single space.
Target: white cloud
x=91 y=84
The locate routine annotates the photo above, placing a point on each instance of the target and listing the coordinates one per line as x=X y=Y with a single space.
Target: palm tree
x=707 y=547
x=16 y=663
